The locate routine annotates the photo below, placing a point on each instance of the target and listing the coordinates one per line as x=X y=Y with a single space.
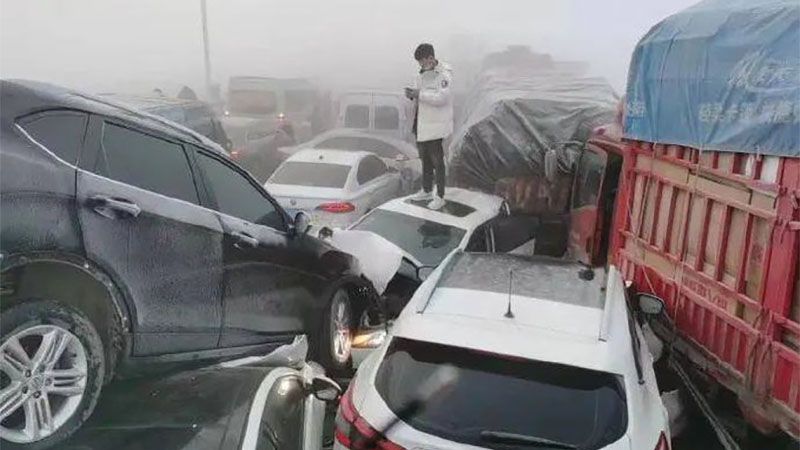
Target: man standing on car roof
x=433 y=121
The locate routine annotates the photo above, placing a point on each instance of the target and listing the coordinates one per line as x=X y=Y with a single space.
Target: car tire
x=336 y=335
x=51 y=358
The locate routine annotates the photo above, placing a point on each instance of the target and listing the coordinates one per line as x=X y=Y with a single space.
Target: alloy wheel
x=341 y=339
x=43 y=371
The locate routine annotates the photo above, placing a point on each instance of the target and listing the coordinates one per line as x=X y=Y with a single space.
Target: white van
x=379 y=112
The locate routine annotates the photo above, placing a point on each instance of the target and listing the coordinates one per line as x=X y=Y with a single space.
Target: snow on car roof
x=484 y=206
x=548 y=279
x=342 y=157
x=556 y=315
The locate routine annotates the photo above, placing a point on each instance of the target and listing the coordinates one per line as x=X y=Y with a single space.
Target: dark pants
x=432 y=155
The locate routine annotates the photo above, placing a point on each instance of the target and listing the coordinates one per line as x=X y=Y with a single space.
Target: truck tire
x=52 y=363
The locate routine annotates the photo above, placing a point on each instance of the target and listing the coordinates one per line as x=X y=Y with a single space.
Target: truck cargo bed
x=716 y=236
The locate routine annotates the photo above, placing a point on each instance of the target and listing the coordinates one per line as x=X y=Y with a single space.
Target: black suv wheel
x=335 y=339
x=51 y=373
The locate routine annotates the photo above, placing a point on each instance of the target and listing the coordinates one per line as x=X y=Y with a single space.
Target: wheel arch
x=343 y=269
x=77 y=282
x=360 y=290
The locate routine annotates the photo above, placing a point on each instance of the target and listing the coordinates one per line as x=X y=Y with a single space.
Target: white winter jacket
x=435 y=103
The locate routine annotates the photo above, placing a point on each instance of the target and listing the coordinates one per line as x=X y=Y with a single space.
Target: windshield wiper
x=502 y=437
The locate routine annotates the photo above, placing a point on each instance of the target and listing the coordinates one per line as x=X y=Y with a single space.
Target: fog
x=103 y=45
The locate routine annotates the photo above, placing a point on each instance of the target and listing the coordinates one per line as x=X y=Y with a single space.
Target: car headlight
x=369 y=338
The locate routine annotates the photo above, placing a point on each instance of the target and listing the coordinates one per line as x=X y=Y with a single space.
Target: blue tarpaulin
x=721 y=75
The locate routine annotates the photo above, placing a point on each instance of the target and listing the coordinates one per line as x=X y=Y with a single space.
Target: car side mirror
x=302 y=223
x=423 y=272
x=325 y=389
x=650 y=304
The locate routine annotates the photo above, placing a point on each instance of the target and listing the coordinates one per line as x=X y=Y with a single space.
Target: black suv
x=126 y=241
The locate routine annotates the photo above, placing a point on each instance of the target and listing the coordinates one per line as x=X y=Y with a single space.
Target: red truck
x=716 y=236
x=701 y=207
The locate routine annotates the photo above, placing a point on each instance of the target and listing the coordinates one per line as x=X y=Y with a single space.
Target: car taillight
x=337 y=207
x=354 y=433
x=662 y=444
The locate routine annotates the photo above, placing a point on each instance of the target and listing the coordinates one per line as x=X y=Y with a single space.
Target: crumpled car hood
x=378 y=259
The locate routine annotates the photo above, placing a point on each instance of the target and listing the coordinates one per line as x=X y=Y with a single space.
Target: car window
x=511 y=232
x=387 y=118
x=236 y=195
x=359 y=143
x=146 y=162
x=252 y=102
x=575 y=406
x=588 y=179
x=282 y=422
x=429 y=242
x=300 y=173
x=61 y=132
x=477 y=242
x=370 y=168
x=356 y=116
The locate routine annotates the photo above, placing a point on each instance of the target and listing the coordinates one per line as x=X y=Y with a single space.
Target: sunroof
x=452 y=208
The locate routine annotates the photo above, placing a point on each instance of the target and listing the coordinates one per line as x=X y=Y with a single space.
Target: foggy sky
x=104 y=45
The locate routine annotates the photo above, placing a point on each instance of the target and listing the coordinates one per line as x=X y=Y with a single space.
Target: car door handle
x=244 y=240
x=114 y=208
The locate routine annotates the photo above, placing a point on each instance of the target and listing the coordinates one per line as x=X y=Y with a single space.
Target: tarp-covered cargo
x=512 y=118
x=722 y=75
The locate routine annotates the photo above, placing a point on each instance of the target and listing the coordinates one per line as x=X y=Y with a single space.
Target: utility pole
x=207 y=58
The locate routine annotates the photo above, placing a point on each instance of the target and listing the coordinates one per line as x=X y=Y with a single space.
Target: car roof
x=355 y=133
x=484 y=206
x=23 y=97
x=557 y=314
x=343 y=157
x=151 y=102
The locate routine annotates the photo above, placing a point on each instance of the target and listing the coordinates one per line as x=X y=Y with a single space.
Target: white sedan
x=395 y=153
x=334 y=187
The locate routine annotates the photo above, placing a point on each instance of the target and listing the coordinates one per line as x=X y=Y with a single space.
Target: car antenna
x=510 y=314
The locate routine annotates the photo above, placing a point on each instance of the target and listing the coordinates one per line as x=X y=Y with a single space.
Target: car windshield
x=313 y=174
x=531 y=402
x=252 y=102
x=429 y=242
